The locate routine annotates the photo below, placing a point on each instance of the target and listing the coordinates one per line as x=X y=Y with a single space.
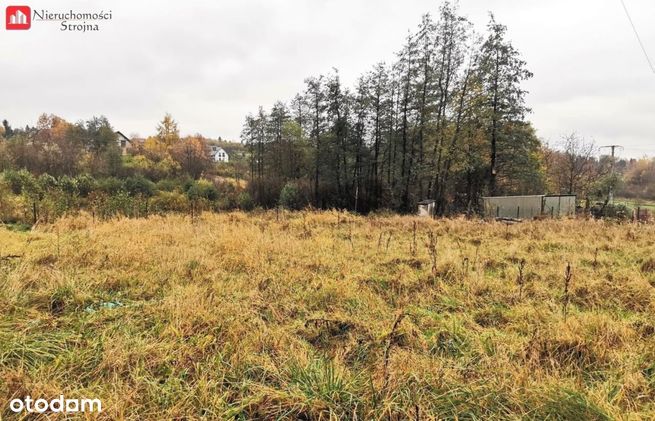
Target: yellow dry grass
x=292 y=315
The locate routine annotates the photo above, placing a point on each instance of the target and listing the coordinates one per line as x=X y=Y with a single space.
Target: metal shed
x=520 y=207
x=528 y=207
x=559 y=206
x=426 y=208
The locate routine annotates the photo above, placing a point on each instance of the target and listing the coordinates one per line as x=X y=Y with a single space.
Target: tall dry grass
x=331 y=316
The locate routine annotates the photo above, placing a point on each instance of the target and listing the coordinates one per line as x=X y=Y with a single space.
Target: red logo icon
x=18 y=17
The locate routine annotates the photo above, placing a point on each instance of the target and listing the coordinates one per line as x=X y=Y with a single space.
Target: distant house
x=123 y=142
x=219 y=154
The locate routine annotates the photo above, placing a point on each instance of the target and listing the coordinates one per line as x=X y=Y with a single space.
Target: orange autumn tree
x=192 y=154
x=58 y=150
x=154 y=157
x=157 y=147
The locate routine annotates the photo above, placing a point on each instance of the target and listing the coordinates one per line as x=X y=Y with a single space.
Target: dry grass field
x=331 y=316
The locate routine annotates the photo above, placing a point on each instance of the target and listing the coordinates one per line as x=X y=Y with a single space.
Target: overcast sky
x=211 y=62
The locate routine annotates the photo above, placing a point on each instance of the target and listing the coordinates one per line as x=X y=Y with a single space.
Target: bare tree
x=579 y=162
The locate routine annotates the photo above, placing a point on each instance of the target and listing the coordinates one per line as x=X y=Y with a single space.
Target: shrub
x=139 y=186
x=85 y=184
x=18 y=179
x=202 y=189
x=291 y=197
x=121 y=203
x=169 y=202
x=32 y=188
x=7 y=205
x=110 y=185
x=47 y=182
x=168 y=185
x=67 y=185
x=245 y=201
x=614 y=211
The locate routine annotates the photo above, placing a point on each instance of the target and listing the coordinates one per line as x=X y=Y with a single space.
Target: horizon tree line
x=444 y=121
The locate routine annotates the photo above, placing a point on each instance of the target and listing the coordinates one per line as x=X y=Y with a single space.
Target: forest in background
x=447 y=120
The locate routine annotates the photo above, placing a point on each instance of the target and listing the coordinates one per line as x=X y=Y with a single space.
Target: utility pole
x=610 y=194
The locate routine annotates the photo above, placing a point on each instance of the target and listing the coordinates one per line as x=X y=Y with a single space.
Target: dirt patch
x=648 y=266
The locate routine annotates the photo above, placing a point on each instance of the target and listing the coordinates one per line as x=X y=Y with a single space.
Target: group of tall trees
x=167 y=153
x=57 y=167
x=444 y=121
x=56 y=147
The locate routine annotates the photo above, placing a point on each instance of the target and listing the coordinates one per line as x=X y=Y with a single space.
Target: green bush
x=47 y=182
x=110 y=185
x=121 y=203
x=245 y=201
x=202 y=189
x=612 y=211
x=291 y=197
x=32 y=189
x=169 y=202
x=68 y=185
x=18 y=179
x=168 y=185
x=139 y=185
x=85 y=184
x=8 y=208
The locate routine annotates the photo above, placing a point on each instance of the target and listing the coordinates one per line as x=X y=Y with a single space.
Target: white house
x=219 y=154
x=123 y=142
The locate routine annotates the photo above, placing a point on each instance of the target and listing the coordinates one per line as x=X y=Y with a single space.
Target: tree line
x=576 y=165
x=445 y=121
x=57 y=147
x=57 y=167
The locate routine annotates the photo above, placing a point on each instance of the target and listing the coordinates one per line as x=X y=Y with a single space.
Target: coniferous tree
x=501 y=70
x=444 y=121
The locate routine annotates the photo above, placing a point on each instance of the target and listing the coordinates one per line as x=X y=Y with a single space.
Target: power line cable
x=641 y=44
